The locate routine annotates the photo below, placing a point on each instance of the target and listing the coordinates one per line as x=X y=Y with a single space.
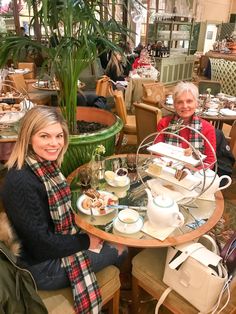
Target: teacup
x=127 y=221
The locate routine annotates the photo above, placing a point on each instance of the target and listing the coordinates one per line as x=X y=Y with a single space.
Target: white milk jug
x=211 y=187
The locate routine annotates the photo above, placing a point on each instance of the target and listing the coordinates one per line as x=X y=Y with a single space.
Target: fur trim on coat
x=7 y=235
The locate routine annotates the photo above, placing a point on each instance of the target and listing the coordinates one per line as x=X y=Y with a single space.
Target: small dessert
x=195 y=155
x=87 y=203
x=188 y=151
x=92 y=193
x=122 y=172
x=155 y=169
x=180 y=174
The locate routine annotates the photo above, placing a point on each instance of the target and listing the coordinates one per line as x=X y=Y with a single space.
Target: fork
x=92 y=218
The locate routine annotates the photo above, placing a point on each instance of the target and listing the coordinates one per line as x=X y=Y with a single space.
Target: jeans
x=50 y=275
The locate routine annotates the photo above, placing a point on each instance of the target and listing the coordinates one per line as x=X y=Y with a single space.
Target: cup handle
x=180 y=219
x=226 y=185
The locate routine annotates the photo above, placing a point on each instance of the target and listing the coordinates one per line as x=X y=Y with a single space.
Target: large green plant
x=80 y=36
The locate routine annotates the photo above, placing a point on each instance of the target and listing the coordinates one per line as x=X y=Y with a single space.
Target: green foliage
x=77 y=31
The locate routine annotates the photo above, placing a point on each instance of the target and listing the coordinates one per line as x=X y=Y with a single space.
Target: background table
x=136 y=195
x=217 y=121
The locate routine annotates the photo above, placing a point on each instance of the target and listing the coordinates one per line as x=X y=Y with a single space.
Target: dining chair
x=215 y=86
x=61 y=301
x=232 y=139
x=28 y=65
x=104 y=87
x=37 y=97
x=153 y=94
x=203 y=63
x=147 y=118
x=147 y=273
x=129 y=122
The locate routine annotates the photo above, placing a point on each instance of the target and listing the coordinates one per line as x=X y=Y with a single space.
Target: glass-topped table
x=200 y=215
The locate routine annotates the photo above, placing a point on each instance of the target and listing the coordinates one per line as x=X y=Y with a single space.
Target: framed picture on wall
x=209 y=35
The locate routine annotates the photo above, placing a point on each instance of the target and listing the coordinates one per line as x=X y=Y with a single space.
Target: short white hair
x=189 y=87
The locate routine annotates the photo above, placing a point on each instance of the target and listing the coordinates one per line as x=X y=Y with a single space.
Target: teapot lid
x=163 y=201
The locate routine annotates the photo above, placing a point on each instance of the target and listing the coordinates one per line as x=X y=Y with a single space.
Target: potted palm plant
x=73 y=33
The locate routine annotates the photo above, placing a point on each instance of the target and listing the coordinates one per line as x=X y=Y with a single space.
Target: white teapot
x=211 y=186
x=163 y=211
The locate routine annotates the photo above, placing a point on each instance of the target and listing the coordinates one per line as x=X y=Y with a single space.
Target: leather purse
x=228 y=253
x=197 y=274
x=153 y=93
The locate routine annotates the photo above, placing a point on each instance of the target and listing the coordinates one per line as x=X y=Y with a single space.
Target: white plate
x=177 y=193
x=227 y=112
x=115 y=184
x=168 y=174
x=121 y=227
x=211 y=113
x=174 y=152
x=96 y=211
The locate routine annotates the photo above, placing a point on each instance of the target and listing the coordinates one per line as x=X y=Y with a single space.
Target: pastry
x=155 y=169
x=92 y=193
x=180 y=174
x=188 y=151
x=87 y=203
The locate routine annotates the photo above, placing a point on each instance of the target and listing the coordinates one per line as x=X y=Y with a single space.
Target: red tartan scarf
x=195 y=139
x=86 y=293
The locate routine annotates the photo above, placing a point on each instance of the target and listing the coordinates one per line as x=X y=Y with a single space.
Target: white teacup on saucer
x=128 y=221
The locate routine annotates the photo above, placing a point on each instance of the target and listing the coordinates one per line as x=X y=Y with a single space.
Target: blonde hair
x=34 y=120
x=182 y=87
x=114 y=61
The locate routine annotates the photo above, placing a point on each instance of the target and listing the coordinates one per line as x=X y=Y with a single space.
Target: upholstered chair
x=147 y=273
x=61 y=301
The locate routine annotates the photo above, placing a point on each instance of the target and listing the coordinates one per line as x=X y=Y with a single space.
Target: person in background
x=37 y=200
x=143 y=60
x=186 y=102
x=114 y=67
x=22 y=32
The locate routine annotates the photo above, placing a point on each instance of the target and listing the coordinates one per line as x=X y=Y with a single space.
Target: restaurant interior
x=113 y=74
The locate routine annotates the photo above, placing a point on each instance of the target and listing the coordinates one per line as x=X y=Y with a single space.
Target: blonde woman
x=37 y=200
x=114 y=67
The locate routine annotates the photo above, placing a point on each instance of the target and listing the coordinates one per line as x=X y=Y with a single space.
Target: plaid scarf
x=86 y=293
x=195 y=139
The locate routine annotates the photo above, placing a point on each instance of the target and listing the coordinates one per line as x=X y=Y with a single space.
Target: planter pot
x=81 y=146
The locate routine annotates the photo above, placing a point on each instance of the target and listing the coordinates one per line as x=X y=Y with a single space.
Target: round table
x=136 y=194
x=217 y=121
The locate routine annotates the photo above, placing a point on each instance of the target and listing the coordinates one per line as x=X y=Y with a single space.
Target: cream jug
x=163 y=212
x=212 y=183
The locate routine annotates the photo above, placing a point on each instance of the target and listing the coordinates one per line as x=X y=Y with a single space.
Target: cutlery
x=138 y=208
x=92 y=218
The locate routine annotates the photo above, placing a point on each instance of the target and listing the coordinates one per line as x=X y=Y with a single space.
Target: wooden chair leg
x=114 y=303
x=135 y=295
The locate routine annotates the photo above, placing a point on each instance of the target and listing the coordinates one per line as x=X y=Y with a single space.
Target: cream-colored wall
x=213 y=10
x=233 y=6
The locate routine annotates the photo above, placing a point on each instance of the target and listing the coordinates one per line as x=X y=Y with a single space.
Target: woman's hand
x=95 y=242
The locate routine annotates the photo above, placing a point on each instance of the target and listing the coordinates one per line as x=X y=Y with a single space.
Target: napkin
x=158 y=233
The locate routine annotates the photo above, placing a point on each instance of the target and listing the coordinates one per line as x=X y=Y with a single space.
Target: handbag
x=153 y=93
x=197 y=274
x=228 y=253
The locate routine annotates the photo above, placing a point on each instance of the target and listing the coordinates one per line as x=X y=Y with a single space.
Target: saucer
x=114 y=183
x=120 y=227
